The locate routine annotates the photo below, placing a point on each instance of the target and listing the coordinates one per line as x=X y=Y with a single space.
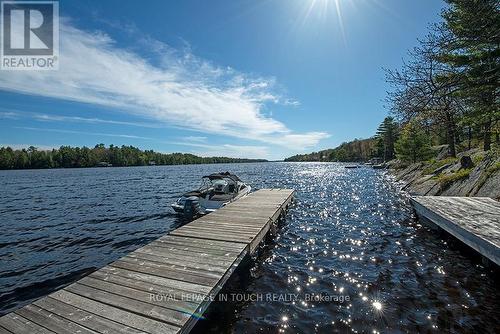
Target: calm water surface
x=350 y=235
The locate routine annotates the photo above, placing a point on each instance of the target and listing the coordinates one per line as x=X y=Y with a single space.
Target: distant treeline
x=356 y=150
x=74 y=157
x=446 y=92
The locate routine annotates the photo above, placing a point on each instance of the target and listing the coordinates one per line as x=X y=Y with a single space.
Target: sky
x=255 y=79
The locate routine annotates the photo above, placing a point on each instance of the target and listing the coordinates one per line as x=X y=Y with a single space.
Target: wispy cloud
x=195 y=138
x=8 y=115
x=234 y=151
x=180 y=90
x=75 y=119
x=229 y=150
x=83 y=132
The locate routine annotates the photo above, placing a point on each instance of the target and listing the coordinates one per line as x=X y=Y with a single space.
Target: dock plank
x=236 y=246
x=187 y=263
x=226 y=230
x=167 y=271
x=195 y=249
x=117 y=314
x=84 y=318
x=187 y=267
x=166 y=290
x=152 y=279
x=52 y=321
x=15 y=323
x=143 y=308
x=213 y=235
x=473 y=220
x=138 y=293
x=202 y=258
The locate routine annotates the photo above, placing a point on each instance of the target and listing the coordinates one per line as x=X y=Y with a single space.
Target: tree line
x=356 y=150
x=100 y=155
x=446 y=92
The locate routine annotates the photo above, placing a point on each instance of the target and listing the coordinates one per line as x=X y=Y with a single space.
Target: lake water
x=350 y=236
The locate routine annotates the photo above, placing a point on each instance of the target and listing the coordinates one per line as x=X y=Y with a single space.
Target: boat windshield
x=222 y=185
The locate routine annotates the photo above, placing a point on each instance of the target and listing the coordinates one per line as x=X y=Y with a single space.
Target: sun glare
x=323 y=9
x=377 y=305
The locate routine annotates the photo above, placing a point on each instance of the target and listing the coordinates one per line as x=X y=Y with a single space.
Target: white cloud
x=235 y=151
x=195 y=138
x=83 y=133
x=8 y=115
x=75 y=119
x=182 y=90
x=227 y=150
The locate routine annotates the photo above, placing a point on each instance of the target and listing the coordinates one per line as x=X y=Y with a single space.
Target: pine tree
x=413 y=144
x=386 y=137
x=471 y=44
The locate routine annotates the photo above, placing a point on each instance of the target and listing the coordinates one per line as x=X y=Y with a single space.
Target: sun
x=324 y=9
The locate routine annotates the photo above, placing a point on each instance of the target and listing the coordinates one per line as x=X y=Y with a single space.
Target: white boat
x=216 y=191
x=379 y=166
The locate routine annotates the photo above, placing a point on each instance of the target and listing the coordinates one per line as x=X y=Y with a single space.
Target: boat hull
x=208 y=206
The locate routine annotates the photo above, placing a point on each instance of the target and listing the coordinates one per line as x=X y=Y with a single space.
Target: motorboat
x=216 y=191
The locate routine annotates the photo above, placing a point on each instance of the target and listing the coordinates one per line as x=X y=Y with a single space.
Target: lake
x=350 y=239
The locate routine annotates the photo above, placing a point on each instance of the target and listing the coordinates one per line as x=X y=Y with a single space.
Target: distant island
x=100 y=156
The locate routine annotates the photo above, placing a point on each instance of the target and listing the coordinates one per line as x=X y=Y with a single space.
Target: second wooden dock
x=163 y=287
x=473 y=220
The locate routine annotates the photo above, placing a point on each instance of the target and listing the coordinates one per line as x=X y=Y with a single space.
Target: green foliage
x=413 y=144
x=69 y=157
x=450 y=81
x=356 y=150
x=434 y=164
x=477 y=159
x=380 y=146
x=386 y=136
x=445 y=180
x=473 y=50
x=493 y=169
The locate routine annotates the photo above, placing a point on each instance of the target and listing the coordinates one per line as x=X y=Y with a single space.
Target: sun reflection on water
x=350 y=234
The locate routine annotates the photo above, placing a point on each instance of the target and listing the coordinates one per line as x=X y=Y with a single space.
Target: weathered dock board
x=473 y=220
x=163 y=287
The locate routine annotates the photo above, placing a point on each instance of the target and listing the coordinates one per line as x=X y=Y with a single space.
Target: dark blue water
x=350 y=236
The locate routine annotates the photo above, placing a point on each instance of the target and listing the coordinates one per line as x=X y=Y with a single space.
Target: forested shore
x=100 y=155
x=446 y=92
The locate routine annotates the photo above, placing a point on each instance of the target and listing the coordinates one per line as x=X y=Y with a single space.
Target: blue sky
x=257 y=79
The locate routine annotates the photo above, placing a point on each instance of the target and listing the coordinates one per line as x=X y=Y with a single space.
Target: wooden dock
x=163 y=287
x=473 y=220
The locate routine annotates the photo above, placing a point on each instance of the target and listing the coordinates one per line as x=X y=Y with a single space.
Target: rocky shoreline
x=472 y=173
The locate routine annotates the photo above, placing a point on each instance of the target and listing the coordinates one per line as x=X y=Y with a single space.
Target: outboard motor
x=192 y=207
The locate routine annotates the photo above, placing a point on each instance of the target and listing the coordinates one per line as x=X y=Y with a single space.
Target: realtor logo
x=29 y=35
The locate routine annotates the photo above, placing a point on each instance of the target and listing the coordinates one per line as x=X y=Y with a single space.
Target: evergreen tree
x=67 y=157
x=413 y=144
x=470 y=42
x=386 y=136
